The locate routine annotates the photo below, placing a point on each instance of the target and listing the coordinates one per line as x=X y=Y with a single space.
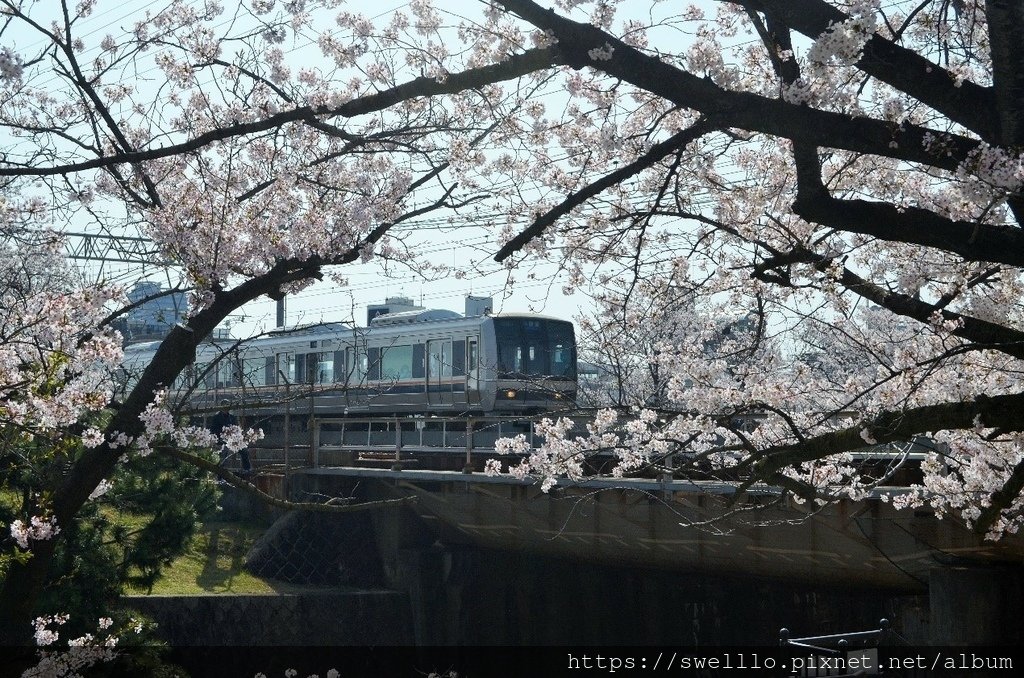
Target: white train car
x=415 y=362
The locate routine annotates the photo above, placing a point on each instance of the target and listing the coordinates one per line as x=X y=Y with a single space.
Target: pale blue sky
x=467 y=248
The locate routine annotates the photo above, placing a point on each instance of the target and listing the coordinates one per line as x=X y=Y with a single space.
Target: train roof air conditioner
x=407 y=317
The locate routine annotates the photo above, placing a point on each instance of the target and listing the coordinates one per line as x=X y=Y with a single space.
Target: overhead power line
x=116 y=248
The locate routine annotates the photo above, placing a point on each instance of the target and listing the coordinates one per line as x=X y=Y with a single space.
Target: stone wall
x=324 y=618
x=480 y=597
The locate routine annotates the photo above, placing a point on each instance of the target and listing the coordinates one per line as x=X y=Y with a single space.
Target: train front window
x=562 y=349
x=535 y=347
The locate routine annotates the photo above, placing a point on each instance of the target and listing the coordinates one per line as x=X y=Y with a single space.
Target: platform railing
x=410 y=435
x=844 y=655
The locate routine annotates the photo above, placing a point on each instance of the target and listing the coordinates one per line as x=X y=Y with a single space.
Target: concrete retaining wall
x=323 y=618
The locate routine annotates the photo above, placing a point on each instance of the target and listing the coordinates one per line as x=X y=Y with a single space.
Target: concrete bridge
x=670 y=525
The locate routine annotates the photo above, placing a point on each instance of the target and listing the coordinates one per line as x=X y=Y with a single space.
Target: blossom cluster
x=160 y=426
x=10 y=66
x=739 y=356
x=844 y=42
x=292 y=673
x=81 y=653
x=38 y=529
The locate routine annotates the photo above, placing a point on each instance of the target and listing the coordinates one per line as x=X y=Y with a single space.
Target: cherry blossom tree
x=848 y=172
x=252 y=175
x=639 y=320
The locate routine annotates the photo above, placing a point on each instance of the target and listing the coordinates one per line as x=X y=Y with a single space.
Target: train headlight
x=510 y=394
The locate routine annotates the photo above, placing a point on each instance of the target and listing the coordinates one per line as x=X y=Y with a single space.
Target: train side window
x=209 y=376
x=254 y=371
x=325 y=368
x=340 y=367
x=357 y=365
x=224 y=372
x=440 y=359
x=286 y=367
x=419 y=364
x=270 y=373
x=311 y=367
x=471 y=355
x=373 y=367
x=198 y=374
x=459 y=358
x=301 y=376
x=396 y=362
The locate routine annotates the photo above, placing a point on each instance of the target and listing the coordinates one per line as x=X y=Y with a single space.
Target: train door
x=439 y=372
x=285 y=368
x=459 y=372
x=473 y=370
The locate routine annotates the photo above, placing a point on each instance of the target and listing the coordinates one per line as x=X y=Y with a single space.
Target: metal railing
x=843 y=655
x=393 y=436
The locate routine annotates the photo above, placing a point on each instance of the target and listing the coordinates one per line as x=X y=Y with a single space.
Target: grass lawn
x=213 y=564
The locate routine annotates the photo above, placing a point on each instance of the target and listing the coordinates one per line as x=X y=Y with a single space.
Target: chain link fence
x=306 y=547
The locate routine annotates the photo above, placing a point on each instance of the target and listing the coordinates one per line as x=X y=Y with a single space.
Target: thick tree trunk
x=1006 y=42
x=24 y=582
x=1006 y=39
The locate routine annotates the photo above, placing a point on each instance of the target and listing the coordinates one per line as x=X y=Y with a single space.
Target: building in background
x=156 y=315
x=390 y=305
x=478 y=306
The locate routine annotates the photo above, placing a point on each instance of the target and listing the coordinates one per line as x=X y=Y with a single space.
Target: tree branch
x=981 y=332
x=235 y=481
x=971 y=240
x=655 y=154
x=752 y=112
x=1006 y=35
x=1005 y=412
x=516 y=66
x=968 y=104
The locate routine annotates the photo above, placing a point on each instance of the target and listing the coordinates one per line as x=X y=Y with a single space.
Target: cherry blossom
x=81 y=653
x=38 y=529
x=800 y=220
x=857 y=321
x=296 y=163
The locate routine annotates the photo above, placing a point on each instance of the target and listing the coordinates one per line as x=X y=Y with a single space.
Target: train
x=419 y=362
